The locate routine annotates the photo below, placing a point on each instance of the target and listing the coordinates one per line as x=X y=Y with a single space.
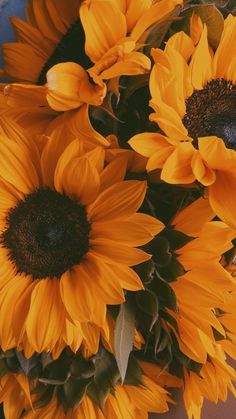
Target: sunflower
x=124 y=402
x=212 y=383
x=78 y=387
x=204 y=278
x=193 y=93
x=68 y=45
x=66 y=236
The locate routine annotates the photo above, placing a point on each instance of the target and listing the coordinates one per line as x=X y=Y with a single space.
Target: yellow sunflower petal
x=118 y=201
x=100 y=34
x=177 y=168
x=109 y=251
x=16 y=60
x=130 y=64
x=182 y=43
x=114 y=172
x=149 y=143
x=108 y=285
x=155 y=13
x=16 y=166
x=45 y=318
x=222 y=58
x=221 y=197
x=30 y=35
x=127 y=232
x=215 y=154
x=77 y=293
x=201 y=170
x=80 y=179
x=69 y=87
x=169 y=121
x=128 y=278
x=38 y=15
x=191 y=219
x=201 y=63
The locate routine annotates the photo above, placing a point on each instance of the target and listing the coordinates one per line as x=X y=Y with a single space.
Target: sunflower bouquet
x=117 y=208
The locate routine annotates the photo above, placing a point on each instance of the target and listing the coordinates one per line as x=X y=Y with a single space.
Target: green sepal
x=164 y=292
x=134 y=372
x=176 y=238
x=172 y=271
x=147 y=301
x=74 y=391
x=105 y=378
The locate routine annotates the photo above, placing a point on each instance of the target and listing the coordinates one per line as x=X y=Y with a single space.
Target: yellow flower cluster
x=117 y=199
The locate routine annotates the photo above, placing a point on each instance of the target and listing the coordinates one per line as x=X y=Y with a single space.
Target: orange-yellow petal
x=120 y=200
x=69 y=87
x=177 y=168
x=222 y=197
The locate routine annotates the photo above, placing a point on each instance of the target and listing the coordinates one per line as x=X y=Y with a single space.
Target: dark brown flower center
x=69 y=49
x=212 y=111
x=47 y=233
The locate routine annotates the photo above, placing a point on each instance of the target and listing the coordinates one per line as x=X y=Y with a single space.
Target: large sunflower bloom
x=193 y=96
x=87 y=388
x=68 y=44
x=125 y=401
x=65 y=238
x=205 y=279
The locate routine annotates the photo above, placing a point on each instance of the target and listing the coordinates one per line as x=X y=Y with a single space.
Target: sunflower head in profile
x=73 y=50
x=79 y=387
x=213 y=381
x=193 y=94
x=66 y=237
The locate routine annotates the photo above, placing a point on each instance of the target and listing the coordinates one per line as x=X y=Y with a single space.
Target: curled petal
x=69 y=87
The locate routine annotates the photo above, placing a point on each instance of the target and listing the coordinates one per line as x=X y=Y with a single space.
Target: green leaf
x=124 y=337
x=74 y=391
x=3 y=368
x=147 y=301
x=209 y=15
x=54 y=382
x=172 y=271
x=45 y=398
x=134 y=373
x=164 y=293
x=176 y=238
x=105 y=377
x=57 y=372
x=155 y=35
x=13 y=364
x=167 y=316
x=27 y=363
x=131 y=85
x=81 y=368
x=145 y=271
x=159 y=247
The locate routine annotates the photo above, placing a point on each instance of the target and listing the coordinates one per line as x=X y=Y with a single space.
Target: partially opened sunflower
x=65 y=239
x=193 y=96
x=73 y=48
